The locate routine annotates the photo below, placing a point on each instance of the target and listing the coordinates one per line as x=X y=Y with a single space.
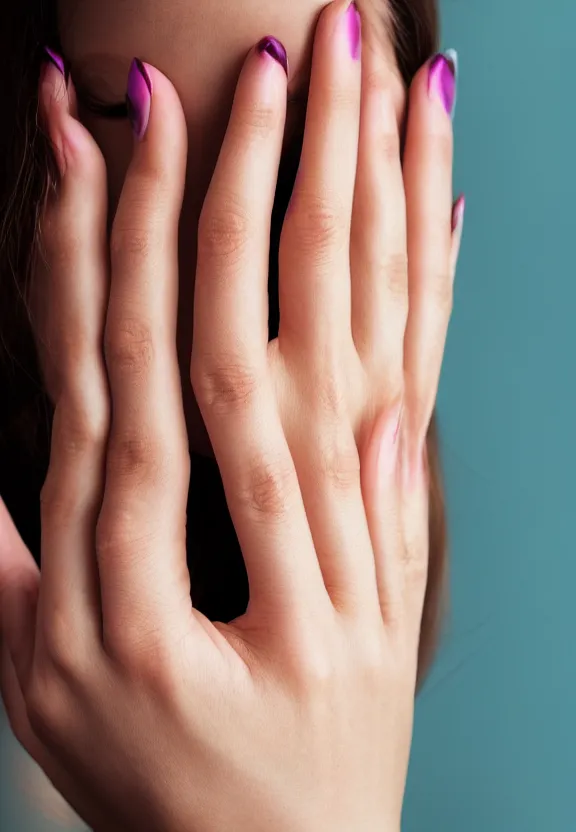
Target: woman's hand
x=297 y=716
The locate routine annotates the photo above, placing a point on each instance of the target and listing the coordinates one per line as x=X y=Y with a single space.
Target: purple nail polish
x=275 y=49
x=352 y=17
x=139 y=98
x=442 y=81
x=58 y=62
x=458 y=212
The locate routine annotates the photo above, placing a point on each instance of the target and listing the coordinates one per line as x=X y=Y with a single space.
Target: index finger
x=229 y=366
x=140 y=535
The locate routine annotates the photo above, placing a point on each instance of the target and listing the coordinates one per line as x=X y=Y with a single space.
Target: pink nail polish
x=442 y=79
x=139 y=98
x=275 y=49
x=458 y=212
x=354 y=28
x=58 y=61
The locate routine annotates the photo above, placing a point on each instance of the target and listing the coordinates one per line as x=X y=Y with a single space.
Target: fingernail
x=458 y=213
x=354 y=30
x=275 y=49
x=442 y=79
x=138 y=98
x=58 y=62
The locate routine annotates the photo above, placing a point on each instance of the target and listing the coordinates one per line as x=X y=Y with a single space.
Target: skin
x=187 y=41
x=297 y=715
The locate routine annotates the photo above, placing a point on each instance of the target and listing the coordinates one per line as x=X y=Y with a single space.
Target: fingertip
x=435 y=83
x=52 y=89
x=155 y=112
x=273 y=48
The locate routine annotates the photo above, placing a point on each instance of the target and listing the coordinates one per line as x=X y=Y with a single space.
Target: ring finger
x=73 y=279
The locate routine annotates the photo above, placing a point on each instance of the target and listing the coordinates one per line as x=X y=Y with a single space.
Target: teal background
x=495 y=737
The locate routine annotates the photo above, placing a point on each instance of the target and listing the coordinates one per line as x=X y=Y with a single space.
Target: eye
x=119 y=110
x=116 y=111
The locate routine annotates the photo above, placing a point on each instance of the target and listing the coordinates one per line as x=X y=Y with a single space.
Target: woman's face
x=200 y=45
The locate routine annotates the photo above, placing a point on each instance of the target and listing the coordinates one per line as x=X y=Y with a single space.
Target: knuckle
x=376 y=82
x=59 y=505
x=129 y=346
x=442 y=291
x=341 y=99
x=223 y=228
x=312 y=668
x=370 y=656
x=59 y=237
x=143 y=654
x=79 y=427
x=62 y=652
x=378 y=86
x=225 y=385
x=396 y=276
x=267 y=489
x=256 y=119
x=389 y=148
x=54 y=502
x=330 y=396
x=77 y=353
x=315 y=225
x=415 y=561
x=339 y=463
x=46 y=707
x=120 y=539
x=139 y=457
x=128 y=240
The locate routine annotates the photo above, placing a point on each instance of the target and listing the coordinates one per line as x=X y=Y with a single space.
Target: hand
x=297 y=715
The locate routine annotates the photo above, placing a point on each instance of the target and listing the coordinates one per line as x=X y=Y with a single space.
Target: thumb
x=15 y=559
x=19 y=579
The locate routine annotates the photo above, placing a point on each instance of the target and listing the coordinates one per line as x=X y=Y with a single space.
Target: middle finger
x=144 y=507
x=314 y=257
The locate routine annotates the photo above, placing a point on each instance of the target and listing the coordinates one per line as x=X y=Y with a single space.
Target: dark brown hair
x=27 y=170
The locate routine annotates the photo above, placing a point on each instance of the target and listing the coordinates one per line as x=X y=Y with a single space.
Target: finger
x=18 y=718
x=428 y=182
x=140 y=536
x=229 y=363
x=381 y=493
x=315 y=336
x=73 y=282
x=314 y=256
x=19 y=583
x=379 y=257
x=457 y=228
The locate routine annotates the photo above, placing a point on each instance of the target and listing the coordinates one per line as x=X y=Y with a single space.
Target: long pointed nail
x=139 y=98
x=275 y=49
x=354 y=27
x=442 y=79
x=58 y=62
